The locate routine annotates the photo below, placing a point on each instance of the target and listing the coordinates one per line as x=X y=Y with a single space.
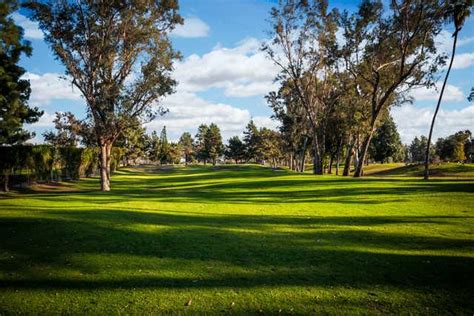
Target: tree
x=270 y=143
x=164 y=154
x=68 y=130
x=14 y=91
x=388 y=51
x=235 y=149
x=252 y=143
x=117 y=54
x=200 y=145
x=457 y=11
x=132 y=141
x=455 y=147
x=304 y=46
x=175 y=153
x=186 y=142
x=213 y=143
x=386 y=142
x=417 y=149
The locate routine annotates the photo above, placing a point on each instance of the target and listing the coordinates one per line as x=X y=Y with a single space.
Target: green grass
x=239 y=240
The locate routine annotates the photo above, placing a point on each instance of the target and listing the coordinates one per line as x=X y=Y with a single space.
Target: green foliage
x=186 y=141
x=386 y=142
x=213 y=143
x=14 y=91
x=252 y=141
x=235 y=149
x=456 y=147
x=417 y=149
x=200 y=143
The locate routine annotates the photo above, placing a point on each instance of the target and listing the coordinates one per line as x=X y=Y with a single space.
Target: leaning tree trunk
x=363 y=153
x=338 y=156
x=427 y=154
x=303 y=154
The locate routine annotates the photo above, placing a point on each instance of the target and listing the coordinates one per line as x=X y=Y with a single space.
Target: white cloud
x=46 y=120
x=32 y=31
x=444 y=44
x=50 y=86
x=463 y=60
x=187 y=111
x=412 y=121
x=193 y=27
x=451 y=93
x=265 y=121
x=241 y=71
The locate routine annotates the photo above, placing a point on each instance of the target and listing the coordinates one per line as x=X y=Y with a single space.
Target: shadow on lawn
x=323 y=251
x=202 y=185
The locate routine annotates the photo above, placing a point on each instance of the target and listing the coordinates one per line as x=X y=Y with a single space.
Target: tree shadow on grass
x=322 y=251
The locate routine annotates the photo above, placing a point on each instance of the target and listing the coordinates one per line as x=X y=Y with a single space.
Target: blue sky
x=223 y=76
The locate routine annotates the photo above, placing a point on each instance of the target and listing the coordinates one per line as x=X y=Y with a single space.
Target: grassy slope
x=263 y=240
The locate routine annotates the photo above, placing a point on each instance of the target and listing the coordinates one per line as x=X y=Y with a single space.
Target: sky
x=223 y=76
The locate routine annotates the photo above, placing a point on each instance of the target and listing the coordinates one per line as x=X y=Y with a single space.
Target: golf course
x=240 y=239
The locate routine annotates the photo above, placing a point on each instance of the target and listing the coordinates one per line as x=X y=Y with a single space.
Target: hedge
x=48 y=163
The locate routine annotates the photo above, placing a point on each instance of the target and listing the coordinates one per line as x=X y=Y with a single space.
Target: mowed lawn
x=239 y=239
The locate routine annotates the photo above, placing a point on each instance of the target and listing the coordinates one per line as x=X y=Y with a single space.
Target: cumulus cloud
x=193 y=27
x=187 y=111
x=241 y=71
x=46 y=120
x=48 y=87
x=412 y=121
x=32 y=31
x=465 y=60
x=451 y=93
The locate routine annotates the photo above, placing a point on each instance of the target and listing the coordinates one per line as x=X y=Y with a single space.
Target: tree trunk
x=331 y=158
x=5 y=182
x=338 y=156
x=303 y=154
x=317 y=158
x=347 y=163
x=363 y=153
x=105 y=166
x=427 y=154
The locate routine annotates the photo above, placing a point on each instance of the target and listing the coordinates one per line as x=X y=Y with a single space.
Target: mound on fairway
x=239 y=240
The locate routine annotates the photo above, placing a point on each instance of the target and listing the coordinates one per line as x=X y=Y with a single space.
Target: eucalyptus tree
x=389 y=50
x=118 y=55
x=456 y=11
x=304 y=47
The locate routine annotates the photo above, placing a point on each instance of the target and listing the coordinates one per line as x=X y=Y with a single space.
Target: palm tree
x=456 y=12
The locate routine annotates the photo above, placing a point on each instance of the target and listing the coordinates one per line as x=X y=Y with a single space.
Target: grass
x=239 y=240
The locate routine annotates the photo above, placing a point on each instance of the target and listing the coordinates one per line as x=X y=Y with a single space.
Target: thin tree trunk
x=303 y=154
x=338 y=156
x=362 y=155
x=104 y=167
x=347 y=162
x=331 y=158
x=427 y=154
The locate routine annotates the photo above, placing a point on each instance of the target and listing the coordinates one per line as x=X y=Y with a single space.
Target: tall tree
x=213 y=143
x=118 y=54
x=304 y=46
x=200 y=143
x=456 y=12
x=389 y=50
x=252 y=142
x=164 y=155
x=14 y=91
x=235 y=149
x=186 y=142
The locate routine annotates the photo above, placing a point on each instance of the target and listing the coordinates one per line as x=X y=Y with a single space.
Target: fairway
x=238 y=239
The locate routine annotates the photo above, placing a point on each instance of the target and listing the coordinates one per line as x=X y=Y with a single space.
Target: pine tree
x=14 y=91
x=164 y=153
x=213 y=143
